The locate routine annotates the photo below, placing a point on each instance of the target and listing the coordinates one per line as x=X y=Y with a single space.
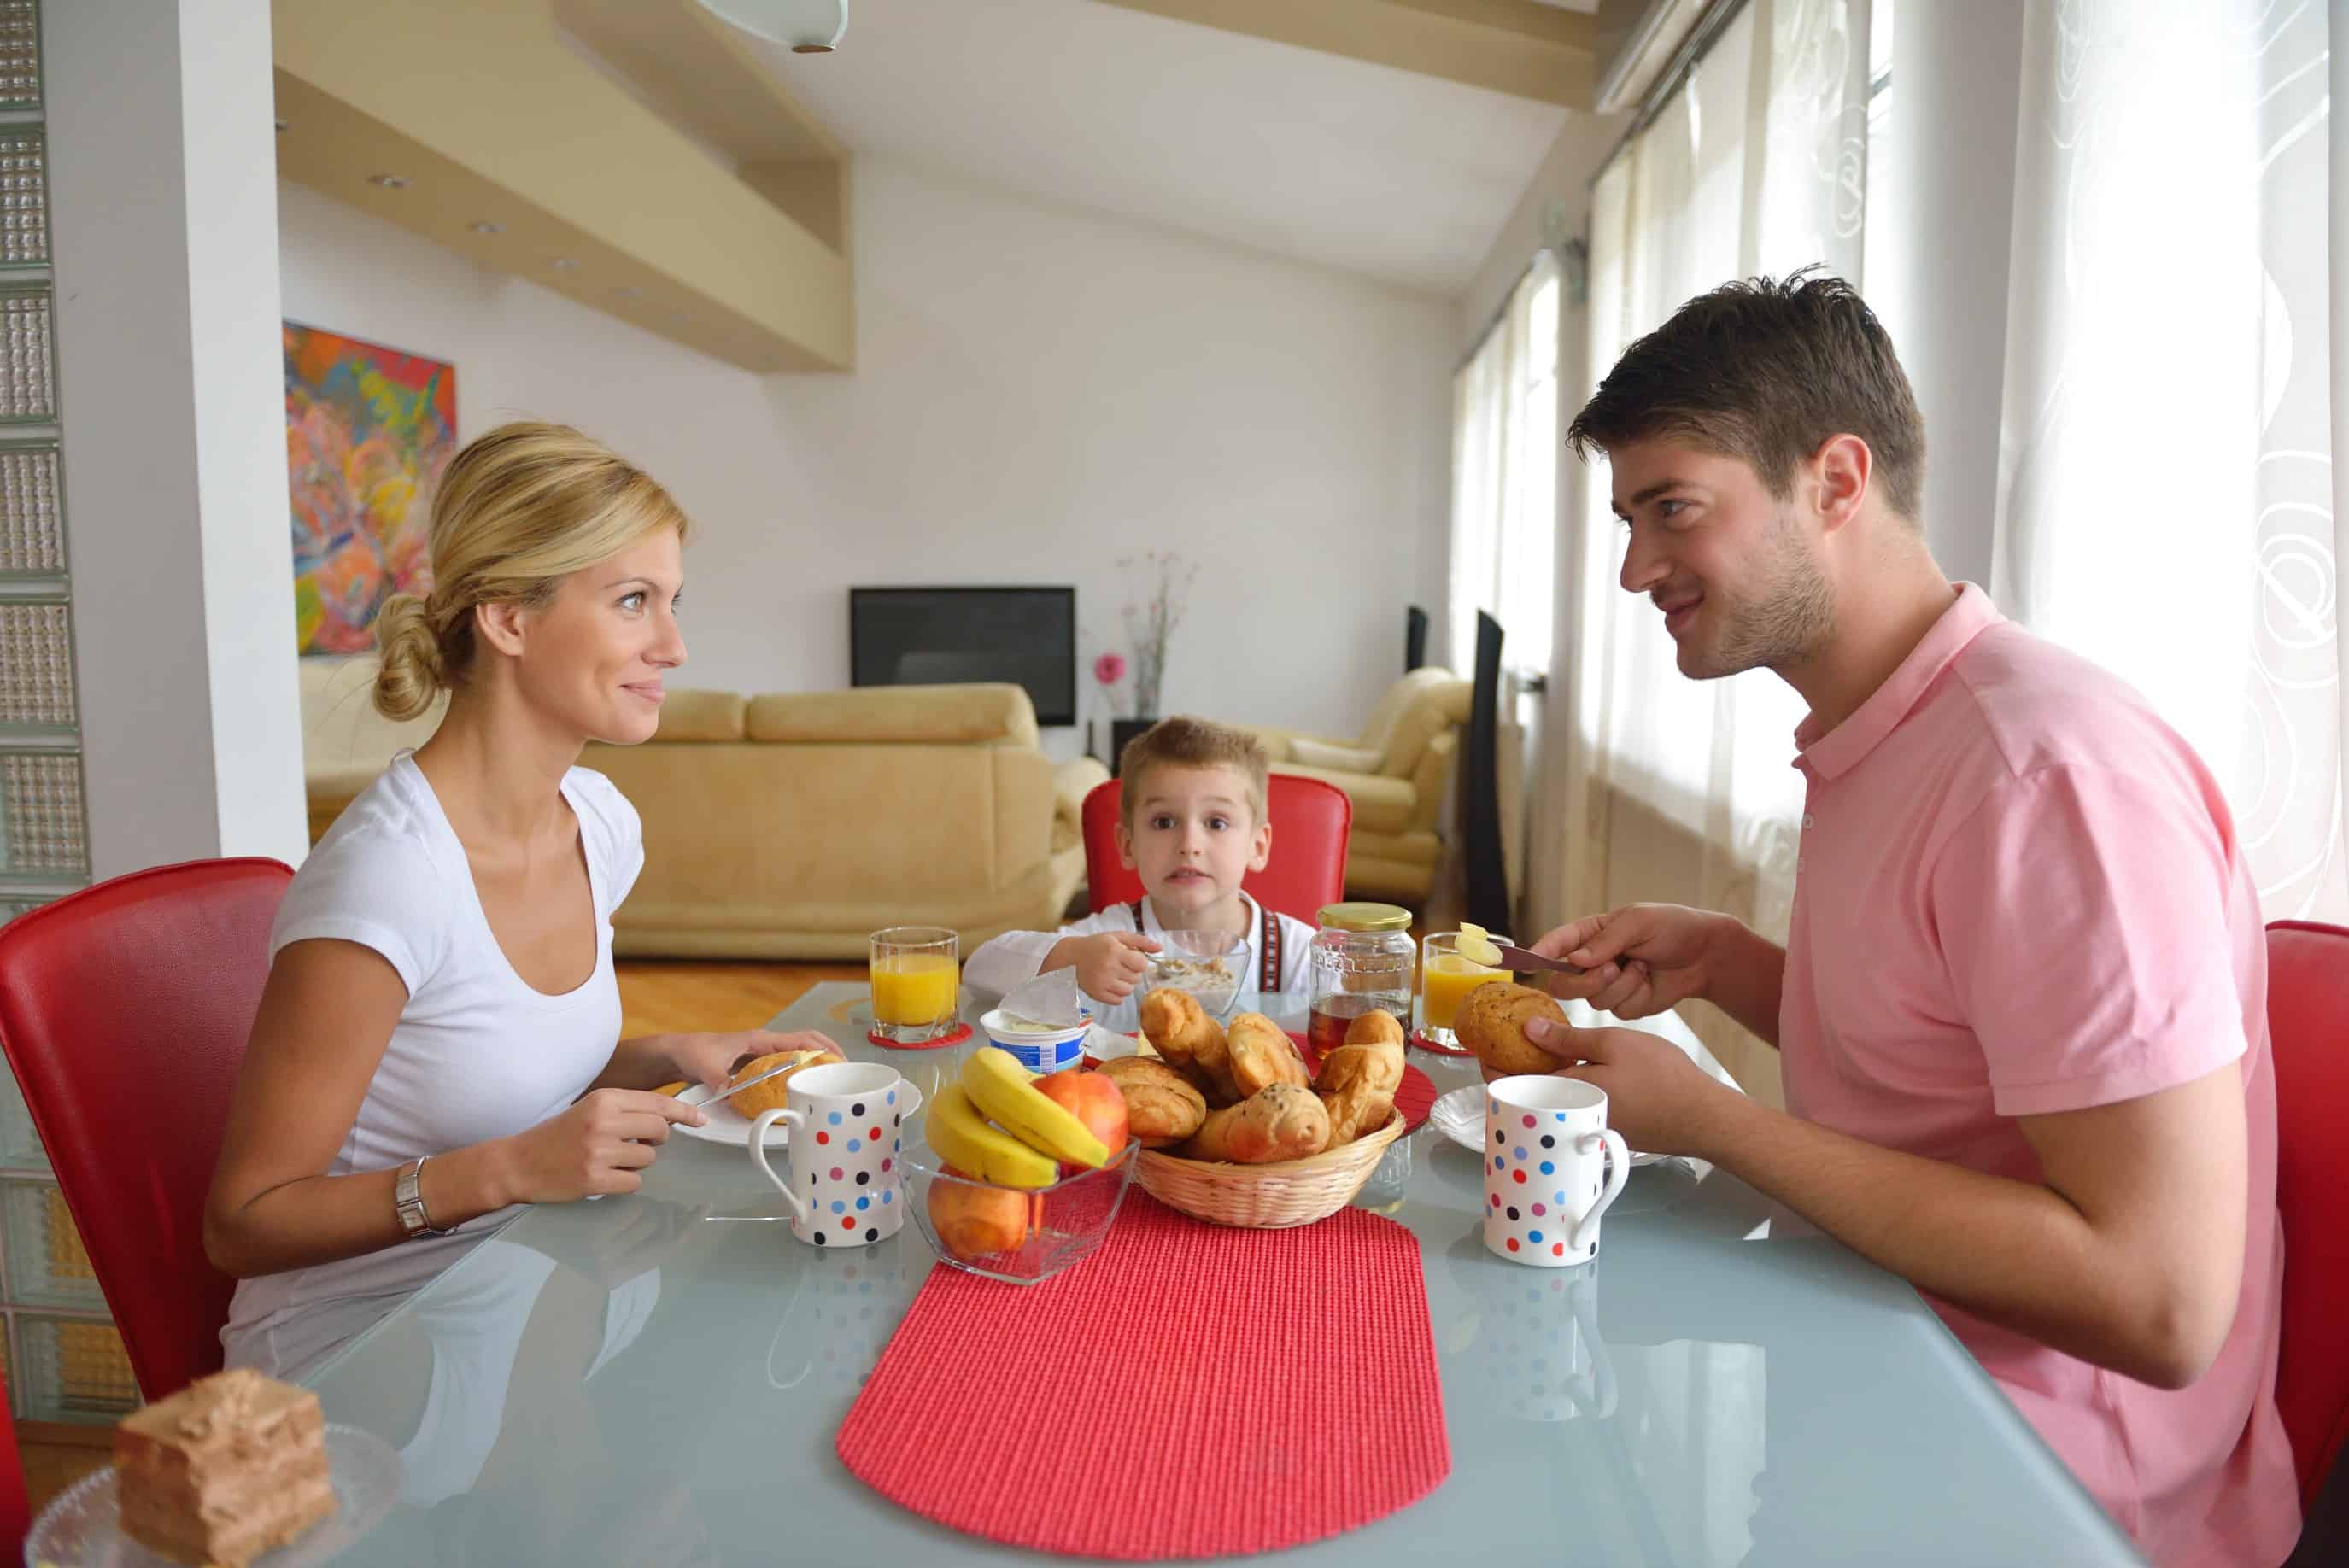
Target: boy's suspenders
x=1267 y=944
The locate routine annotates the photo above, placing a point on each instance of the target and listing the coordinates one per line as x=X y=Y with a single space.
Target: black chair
x=1480 y=782
x=1415 y=638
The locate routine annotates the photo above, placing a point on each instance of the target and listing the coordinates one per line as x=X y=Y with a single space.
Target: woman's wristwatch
x=408 y=1201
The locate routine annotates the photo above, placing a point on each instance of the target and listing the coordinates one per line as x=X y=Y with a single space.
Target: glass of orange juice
x=916 y=982
x=1444 y=977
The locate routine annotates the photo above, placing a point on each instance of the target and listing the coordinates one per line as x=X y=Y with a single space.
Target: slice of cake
x=223 y=1471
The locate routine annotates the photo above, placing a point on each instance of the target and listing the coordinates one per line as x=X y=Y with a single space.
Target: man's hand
x=1659 y=1099
x=1640 y=960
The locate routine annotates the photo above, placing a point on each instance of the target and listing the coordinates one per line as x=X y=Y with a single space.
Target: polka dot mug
x=1552 y=1166
x=846 y=1186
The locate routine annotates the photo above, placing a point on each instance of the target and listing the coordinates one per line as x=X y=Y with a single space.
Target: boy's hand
x=1109 y=966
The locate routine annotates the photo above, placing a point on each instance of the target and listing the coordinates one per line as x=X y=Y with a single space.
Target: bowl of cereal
x=1212 y=965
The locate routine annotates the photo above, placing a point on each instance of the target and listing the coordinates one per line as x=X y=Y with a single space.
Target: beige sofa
x=1397 y=773
x=792 y=825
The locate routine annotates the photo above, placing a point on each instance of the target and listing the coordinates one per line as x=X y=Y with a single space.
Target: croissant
x=1282 y=1123
x=1491 y=1021
x=1162 y=1106
x=1174 y=1022
x=1378 y=1023
x=1262 y=1055
x=1359 y=1079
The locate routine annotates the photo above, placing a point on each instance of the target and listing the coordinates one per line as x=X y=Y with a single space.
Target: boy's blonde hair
x=1185 y=742
x=520 y=509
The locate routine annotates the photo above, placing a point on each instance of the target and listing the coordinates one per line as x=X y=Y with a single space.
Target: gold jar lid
x=1366 y=918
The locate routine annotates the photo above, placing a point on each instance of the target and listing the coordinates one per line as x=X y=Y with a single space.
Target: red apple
x=1093 y=1099
x=973 y=1221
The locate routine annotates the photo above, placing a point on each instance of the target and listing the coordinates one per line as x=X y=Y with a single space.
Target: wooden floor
x=656 y=996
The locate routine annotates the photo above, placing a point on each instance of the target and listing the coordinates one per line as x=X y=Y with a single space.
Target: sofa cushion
x=701 y=716
x=1381 y=805
x=1378 y=733
x=1336 y=758
x=1437 y=706
x=936 y=715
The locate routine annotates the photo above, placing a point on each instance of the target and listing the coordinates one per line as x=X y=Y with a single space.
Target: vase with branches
x=1151 y=618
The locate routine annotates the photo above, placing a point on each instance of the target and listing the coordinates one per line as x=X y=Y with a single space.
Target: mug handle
x=1619 y=1168
x=797 y=1120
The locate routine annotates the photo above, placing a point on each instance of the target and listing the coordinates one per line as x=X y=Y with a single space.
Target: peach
x=973 y=1221
x=1093 y=1099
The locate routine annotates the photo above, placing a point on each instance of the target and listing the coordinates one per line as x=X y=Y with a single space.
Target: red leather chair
x=16 y=1508
x=124 y=1010
x=2308 y=1021
x=1311 y=823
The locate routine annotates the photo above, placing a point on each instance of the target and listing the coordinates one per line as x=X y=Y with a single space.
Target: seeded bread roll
x=1282 y=1123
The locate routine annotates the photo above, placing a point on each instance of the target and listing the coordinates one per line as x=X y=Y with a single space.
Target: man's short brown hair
x=1765 y=370
x=1184 y=742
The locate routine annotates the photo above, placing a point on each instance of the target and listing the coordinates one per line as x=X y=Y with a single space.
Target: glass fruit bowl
x=1016 y=1234
x=1212 y=965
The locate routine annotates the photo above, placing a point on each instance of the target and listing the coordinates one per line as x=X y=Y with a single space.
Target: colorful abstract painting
x=368 y=431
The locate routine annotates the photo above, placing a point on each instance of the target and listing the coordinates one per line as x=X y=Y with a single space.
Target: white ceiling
x=1379 y=171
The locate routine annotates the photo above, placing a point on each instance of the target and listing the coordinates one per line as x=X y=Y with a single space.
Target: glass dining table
x=655 y=1380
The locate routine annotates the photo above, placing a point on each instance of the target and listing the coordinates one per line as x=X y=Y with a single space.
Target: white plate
x=78 y=1530
x=1460 y=1117
x=728 y=1125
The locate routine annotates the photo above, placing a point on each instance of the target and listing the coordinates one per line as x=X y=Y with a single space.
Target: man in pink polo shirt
x=2022 y=1006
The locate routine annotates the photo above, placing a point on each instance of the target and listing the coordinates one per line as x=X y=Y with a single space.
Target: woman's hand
x=602 y=1144
x=713 y=1060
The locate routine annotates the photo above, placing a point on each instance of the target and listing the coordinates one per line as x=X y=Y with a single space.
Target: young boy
x=1191 y=819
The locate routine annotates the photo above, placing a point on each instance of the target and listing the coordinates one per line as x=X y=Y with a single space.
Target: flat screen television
x=935 y=636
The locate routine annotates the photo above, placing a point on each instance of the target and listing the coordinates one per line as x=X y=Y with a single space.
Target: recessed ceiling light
x=486 y=227
x=565 y=263
x=390 y=181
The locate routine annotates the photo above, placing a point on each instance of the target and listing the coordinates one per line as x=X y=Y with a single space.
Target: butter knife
x=1519 y=958
x=735 y=1089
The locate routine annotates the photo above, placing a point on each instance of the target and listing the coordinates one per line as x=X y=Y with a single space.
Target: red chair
x=1310 y=822
x=2308 y=1021
x=16 y=1508
x=124 y=1010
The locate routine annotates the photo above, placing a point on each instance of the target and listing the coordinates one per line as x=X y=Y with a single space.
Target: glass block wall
x=63 y=1359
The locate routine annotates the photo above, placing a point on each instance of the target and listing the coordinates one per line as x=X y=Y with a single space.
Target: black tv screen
x=937 y=636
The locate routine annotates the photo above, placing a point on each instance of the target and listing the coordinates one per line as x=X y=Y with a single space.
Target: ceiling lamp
x=809 y=27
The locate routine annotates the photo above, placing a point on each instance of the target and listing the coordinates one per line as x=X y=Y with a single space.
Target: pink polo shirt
x=2021 y=893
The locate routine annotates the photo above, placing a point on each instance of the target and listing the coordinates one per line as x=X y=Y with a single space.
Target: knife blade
x=1521 y=959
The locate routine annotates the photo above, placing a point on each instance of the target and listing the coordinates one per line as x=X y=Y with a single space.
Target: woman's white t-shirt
x=477 y=1053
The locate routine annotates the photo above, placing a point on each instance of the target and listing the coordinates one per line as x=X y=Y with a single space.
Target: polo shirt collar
x=1838 y=750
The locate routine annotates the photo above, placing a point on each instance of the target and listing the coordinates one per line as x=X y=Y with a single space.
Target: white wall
x=1037 y=392
x=164 y=218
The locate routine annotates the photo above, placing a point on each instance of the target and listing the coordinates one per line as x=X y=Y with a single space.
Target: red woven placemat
x=1180 y=1413
x=953 y=1036
x=1421 y=1040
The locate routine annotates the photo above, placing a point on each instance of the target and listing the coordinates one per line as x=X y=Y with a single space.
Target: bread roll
x=1263 y=1054
x=1174 y=1023
x=1162 y=1106
x=1491 y=1021
x=1282 y=1123
x=769 y=1094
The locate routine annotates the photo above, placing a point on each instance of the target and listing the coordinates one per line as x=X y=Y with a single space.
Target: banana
x=1001 y=1087
x=962 y=1138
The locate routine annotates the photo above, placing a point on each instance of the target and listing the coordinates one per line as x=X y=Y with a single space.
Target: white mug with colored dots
x=1552 y=1166
x=844 y=1187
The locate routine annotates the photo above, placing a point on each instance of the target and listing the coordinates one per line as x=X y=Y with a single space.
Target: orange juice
x=1445 y=979
x=915 y=987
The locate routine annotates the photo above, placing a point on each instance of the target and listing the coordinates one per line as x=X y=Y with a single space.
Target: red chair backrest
x=16 y=1508
x=2308 y=1024
x=124 y=1010
x=1310 y=822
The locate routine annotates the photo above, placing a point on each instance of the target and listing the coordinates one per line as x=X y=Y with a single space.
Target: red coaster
x=1421 y=1042
x=953 y=1036
x=1193 y=1440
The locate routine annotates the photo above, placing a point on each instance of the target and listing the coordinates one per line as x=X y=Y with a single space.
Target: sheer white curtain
x=1678 y=789
x=1504 y=478
x=2168 y=500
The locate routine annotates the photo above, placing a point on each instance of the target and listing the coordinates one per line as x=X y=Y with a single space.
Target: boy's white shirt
x=1003 y=961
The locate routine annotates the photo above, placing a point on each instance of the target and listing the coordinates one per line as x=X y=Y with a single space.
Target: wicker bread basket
x=1267 y=1197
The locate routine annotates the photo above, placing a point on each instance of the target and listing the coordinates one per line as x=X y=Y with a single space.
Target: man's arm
x=2129 y=1256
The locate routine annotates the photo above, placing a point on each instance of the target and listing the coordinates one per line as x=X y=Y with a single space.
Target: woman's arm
x=326 y=1014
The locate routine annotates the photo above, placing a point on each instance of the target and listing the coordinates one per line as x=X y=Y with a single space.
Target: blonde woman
x=436 y=1042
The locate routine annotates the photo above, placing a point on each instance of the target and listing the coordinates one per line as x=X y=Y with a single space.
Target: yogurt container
x=1039 y=1050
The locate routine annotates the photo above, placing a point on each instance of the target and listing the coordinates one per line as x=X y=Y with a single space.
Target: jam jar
x=1362 y=958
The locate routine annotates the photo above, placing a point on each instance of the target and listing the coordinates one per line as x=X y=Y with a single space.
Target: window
x=1504 y=446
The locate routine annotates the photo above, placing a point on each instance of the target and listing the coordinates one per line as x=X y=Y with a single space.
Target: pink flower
x=1109 y=668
